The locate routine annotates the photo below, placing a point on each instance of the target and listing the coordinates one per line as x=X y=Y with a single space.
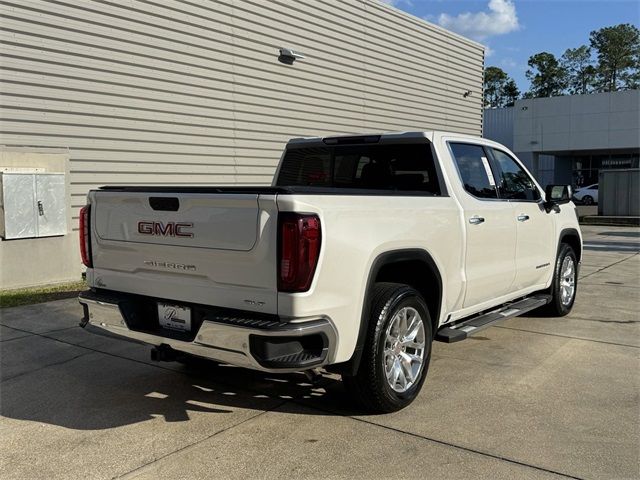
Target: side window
x=475 y=170
x=514 y=183
x=593 y=187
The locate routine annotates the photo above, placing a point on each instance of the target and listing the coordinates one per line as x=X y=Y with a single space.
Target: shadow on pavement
x=95 y=392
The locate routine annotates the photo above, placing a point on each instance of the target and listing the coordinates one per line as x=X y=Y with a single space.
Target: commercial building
x=181 y=93
x=570 y=139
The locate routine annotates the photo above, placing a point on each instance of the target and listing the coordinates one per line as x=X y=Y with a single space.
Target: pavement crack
x=43 y=335
x=132 y=473
x=567 y=336
x=4 y=380
x=619 y=322
x=15 y=338
x=609 y=266
x=608 y=284
x=470 y=450
x=28 y=333
x=440 y=442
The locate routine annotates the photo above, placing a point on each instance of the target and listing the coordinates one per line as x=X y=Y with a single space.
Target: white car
x=365 y=250
x=587 y=195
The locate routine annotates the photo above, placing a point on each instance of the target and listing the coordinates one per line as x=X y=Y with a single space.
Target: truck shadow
x=94 y=392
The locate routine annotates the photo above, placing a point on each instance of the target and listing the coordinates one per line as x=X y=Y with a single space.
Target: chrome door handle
x=476 y=220
x=523 y=218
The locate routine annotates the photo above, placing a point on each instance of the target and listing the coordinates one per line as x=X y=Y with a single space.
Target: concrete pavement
x=530 y=398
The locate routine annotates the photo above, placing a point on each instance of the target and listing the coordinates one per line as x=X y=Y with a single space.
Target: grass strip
x=46 y=293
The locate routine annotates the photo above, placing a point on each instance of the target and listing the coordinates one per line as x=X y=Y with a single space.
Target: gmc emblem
x=170 y=229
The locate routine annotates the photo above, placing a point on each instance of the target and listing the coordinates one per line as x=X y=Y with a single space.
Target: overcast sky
x=513 y=30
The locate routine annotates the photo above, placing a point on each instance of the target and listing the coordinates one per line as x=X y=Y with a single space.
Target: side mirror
x=557 y=195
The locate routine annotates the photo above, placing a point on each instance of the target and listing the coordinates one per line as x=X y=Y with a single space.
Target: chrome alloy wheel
x=404 y=349
x=567 y=281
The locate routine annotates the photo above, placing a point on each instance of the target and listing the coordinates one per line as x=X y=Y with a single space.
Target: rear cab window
x=405 y=167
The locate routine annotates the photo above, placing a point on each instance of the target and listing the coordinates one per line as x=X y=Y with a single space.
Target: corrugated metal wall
x=497 y=125
x=619 y=192
x=183 y=92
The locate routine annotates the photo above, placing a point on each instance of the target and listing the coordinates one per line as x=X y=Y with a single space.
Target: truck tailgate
x=207 y=248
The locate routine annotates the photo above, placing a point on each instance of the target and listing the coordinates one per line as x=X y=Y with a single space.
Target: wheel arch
x=571 y=237
x=414 y=267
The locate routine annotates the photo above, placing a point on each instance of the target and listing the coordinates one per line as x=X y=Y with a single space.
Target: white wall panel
x=191 y=92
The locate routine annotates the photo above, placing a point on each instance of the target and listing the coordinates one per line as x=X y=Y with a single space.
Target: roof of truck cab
x=382 y=137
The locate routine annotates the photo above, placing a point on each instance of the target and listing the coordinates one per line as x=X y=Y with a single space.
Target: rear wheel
x=565 y=283
x=397 y=350
x=587 y=200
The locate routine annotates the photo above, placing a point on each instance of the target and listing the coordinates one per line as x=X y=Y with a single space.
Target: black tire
x=558 y=308
x=587 y=200
x=369 y=386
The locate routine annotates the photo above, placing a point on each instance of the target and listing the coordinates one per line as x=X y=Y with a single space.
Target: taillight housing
x=299 y=249
x=85 y=235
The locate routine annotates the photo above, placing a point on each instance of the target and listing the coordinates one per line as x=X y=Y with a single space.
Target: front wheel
x=565 y=283
x=397 y=350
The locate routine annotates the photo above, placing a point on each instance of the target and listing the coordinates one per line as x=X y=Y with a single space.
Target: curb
x=610 y=221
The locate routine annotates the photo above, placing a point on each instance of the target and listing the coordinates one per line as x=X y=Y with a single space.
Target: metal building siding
x=182 y=92
x=497 y=125
x=619 y=192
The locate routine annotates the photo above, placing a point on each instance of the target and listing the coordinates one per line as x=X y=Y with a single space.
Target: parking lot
x=531 y=398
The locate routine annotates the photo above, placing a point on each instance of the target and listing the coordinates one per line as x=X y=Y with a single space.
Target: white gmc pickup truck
x=364 y=251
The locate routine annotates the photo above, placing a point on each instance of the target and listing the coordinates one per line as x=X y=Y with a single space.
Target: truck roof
x=385 y=137
x=364 y=138
x=375 y=137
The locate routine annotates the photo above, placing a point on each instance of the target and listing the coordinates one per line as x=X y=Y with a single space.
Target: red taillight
x=85 y=237
x=299 y=251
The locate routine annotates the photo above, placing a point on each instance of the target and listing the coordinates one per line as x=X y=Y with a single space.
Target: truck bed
x=266 y=190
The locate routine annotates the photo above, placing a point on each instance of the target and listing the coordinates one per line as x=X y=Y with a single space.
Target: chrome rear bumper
x=237 y=344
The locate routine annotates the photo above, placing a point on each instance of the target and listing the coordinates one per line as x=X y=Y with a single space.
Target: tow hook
x=163 y=353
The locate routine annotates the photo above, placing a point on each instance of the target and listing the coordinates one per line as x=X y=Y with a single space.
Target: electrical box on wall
x=32 y=205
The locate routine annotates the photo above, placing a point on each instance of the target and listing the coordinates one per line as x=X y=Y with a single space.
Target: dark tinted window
x=514 y=182
x=475 y=170
x=306 y=166
x=406 y=167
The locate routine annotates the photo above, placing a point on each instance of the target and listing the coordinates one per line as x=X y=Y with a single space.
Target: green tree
x=499 y=89
x=580 y=72
x=511 y=93
x=546 y=74
x=618 y=52
x=631 y=78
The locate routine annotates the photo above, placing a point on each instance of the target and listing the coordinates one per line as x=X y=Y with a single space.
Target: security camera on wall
x=288 y=56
